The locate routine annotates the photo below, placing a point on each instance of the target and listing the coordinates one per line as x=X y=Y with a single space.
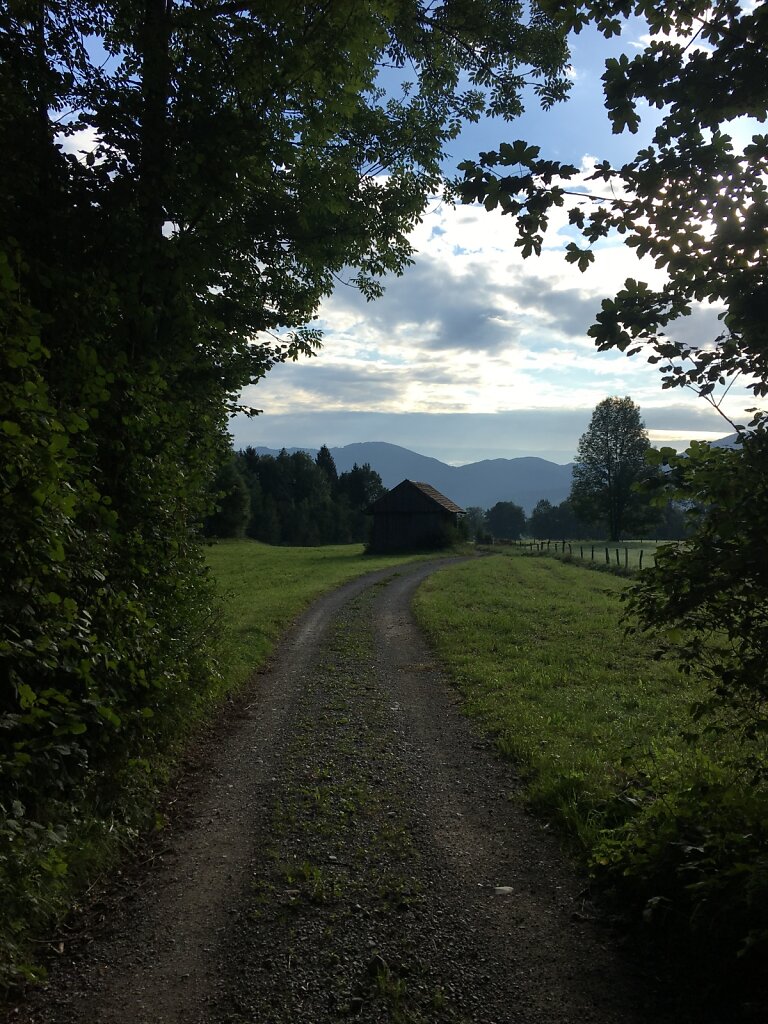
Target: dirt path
x=348 y=849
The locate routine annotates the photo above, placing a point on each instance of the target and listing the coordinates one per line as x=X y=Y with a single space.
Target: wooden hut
x=413 y=515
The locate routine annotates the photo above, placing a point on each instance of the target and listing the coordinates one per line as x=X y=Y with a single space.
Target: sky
x=475 y=353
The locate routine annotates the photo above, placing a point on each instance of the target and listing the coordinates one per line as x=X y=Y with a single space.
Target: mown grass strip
x=539 y=651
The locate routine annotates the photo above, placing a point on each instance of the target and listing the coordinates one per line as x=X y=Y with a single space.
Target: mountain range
x=524 y=481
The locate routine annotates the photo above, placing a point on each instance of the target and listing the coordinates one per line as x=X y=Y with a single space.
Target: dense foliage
x=181 y=182
x=696 y=203
x=548 y=521
x=293 y=499
x=610 y=464
x=505 y=519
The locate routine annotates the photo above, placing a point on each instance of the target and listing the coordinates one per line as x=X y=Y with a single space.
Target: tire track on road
x=350 y=849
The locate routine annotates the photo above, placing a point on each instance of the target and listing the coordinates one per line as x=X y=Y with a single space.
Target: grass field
x=537 y=647
x=669 y=813
x=264 y=588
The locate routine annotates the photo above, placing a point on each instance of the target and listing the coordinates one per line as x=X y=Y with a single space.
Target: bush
x=692 y=855
x=107 y=614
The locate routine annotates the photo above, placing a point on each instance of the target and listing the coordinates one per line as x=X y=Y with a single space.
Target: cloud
x=325 y=384
x=689 y=39
x=570 y=310
x=79 y=143
x=438 y=306
x=472 y=331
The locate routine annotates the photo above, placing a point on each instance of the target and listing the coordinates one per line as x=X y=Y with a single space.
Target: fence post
x=592 y=558
x=617 y=557
x=641 y=558
x=626 y=557
x=581 y=552
x=607 y=557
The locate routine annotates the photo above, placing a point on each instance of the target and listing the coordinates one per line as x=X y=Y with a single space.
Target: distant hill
x=524 y=481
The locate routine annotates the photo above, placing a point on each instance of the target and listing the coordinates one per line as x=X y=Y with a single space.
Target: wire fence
x=622 y=555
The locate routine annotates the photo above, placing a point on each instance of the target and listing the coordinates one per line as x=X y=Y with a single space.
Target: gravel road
x=343 y=847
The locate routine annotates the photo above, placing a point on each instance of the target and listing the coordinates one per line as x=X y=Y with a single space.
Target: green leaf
x=110 y=716
x=27 y=696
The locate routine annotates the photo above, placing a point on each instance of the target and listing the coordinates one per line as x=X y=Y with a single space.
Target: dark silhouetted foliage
x=609 y=465
x=505 y=520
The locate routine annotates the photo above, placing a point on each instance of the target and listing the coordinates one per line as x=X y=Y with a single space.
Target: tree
x=361 y=486
x=609 y=463
x=358 y=488
x=505 y=520
x=474 y=521
x=324 y=461
x=233 y=503
x=675 y=520
x=291 y=498
x=294 y=499
x=540 y=521
x=241 y=157
x=707 y=595
x=548 y=521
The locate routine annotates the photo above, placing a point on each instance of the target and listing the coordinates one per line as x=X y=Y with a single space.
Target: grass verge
x=538 y=650
x=625 y=556
x=664 y=812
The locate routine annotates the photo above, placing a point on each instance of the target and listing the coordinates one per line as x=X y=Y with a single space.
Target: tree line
x=293 y=499
x=616 y=491
x=508 y=521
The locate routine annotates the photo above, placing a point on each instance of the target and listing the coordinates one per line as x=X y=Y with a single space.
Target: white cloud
x=79 y=143
x=473 y=329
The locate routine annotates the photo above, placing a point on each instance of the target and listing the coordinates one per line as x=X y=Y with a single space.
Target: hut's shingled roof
x=393 y=497
x=435 y=495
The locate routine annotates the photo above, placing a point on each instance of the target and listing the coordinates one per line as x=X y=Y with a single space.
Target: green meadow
x=538 y=649
x=666 y=811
